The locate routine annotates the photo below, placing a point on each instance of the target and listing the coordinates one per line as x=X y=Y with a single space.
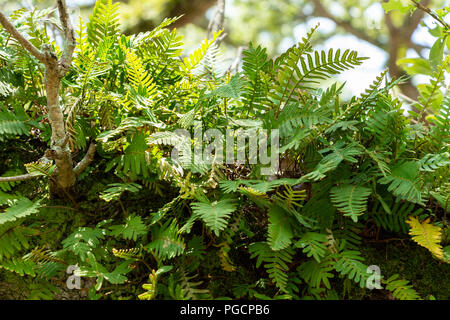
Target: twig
x=419 y=6
x=235 y=65
x=21 y=39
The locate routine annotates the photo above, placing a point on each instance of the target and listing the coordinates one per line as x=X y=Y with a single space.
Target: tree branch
x=217 y=20
x=21 y=39
x=69 y=36
x=320 y=10
x=88 y=158
x=22 y=177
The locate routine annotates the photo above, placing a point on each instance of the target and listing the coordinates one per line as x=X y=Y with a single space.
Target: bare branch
x=69 y=36
x=217 y=20
x=21 y=39
x=88 y=158
x=18 y=178
x=237 y=61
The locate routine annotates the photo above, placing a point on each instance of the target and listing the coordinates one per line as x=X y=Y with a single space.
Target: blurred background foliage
x=278 y=24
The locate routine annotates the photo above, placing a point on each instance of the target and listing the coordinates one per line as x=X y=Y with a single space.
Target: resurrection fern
x=351 y=200
x=403 y=182
x=275 y=262
x=427 y=235
x=215 y=214
x=194 y=59
x=313 y=245
x=349 y=263
x=131 y=230
x=316 y=274
x=349 y=171
x=103 y=22
x=393 y=218
x=166 y=241
x=292 y=198
x=19 y=209
x=14 y=238
x=280 y=232
x=401 y=289
x=13 y=123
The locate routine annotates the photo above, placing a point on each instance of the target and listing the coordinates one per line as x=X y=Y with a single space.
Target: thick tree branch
x=21 y=39
x=88 y=158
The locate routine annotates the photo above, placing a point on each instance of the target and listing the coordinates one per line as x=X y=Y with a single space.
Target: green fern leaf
x=350 y=199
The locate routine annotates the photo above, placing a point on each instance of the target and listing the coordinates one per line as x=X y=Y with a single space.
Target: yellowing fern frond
x=426 y=235
x=197 y=56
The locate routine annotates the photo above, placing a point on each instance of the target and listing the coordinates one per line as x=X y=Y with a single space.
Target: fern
x=401 y=289
x=315 y=273
x=19 y=266
x=426 y=235
x=215 y=214
x=392 y=218
x=403 y=182
x=103 y=22
x=19 y=209
x=349 y=263
x=194 y=59
x=166 y=241
x=115 y=190
x=351 y=200
x=280 y=232
x=13 y=238
x=315 y=66
x=313 y=245
x=140 y=80
x=292 y=198
x=131 y=230
x=275 y=262
x=13 y=124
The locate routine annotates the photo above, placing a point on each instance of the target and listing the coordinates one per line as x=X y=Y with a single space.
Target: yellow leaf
x=427 y=235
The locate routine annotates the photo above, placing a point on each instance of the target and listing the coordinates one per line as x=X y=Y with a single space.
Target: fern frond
x=314 y=67
x=292 y=198
x=313 y=244
x=103 y=22
x=139 y=77
x=427 y=235
x=401 y=289
x=350 y=264
x=275 y=262
x=19 y=209
x=19 y=266
x=403 y=181
x=350 y=199
x=194 y=59
x=315 y=273
x=13 y=238
x=215 y=214
x=393 y=217
x=39 y=168
x=166 y=241
x=279 y=231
